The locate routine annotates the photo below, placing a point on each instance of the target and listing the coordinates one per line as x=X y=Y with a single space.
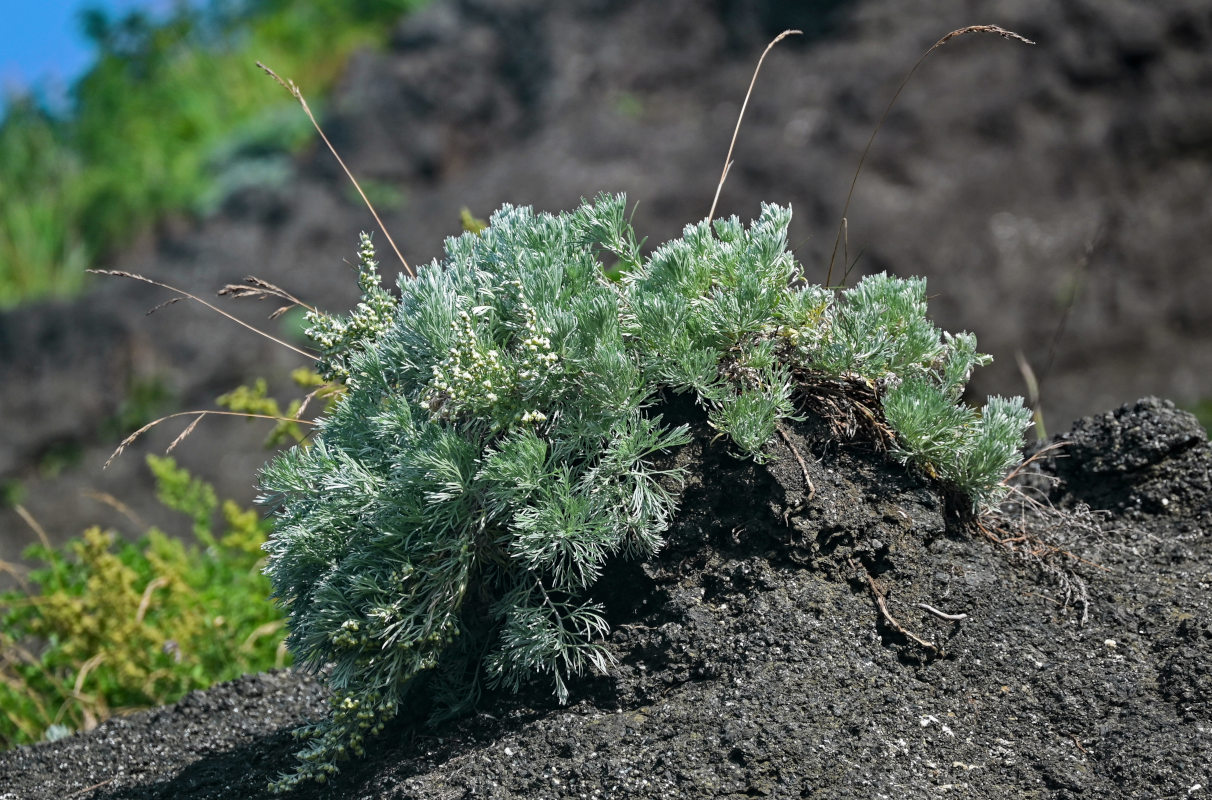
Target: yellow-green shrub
x=107 y=625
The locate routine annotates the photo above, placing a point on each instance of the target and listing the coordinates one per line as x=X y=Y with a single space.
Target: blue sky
x=41 y=44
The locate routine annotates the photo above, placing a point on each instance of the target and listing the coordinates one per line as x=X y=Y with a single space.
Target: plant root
x=881 y=602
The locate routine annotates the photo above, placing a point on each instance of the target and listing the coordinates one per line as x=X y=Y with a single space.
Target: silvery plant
x=498 y=440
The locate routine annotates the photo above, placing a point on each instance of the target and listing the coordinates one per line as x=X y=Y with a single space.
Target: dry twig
x=1023 y=526
x=941 y=614
x=803 y=467
x=881 y=601
x=851 y=407
x=88 y=789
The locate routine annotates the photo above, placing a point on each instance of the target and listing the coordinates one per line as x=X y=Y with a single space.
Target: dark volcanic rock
x=754 y=660
x=1146 y=456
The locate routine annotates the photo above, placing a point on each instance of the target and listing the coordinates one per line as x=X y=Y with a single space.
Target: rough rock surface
x=1014 y=177
x=769 y=652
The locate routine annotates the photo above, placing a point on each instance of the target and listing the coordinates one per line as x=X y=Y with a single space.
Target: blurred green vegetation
x=1202 y=409
x=108 y=625
x=172 y=118
x=145 y=399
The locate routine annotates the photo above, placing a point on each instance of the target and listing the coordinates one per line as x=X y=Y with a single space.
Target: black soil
x=780 y=647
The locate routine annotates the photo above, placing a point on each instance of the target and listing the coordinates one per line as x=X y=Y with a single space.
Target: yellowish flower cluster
x=475 y=378
x=468 y=379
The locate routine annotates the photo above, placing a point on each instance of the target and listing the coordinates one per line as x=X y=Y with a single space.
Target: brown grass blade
x=728 y=158
x=1005 y=34
x=117 y=505
x=1033 y=395
x=259 y=289
x=165 y=304
x=129 y=440
x=34 y=525
x=261 y=631
x=185 y=433
x=82 y=675
x=1038 y=454
x=319 y=391
x=145 y=601
x=186 y=295
x=17 y=572
x=298 y=95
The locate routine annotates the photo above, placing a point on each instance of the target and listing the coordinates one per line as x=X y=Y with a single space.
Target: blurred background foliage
x=172 y=117
x=106 y=625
